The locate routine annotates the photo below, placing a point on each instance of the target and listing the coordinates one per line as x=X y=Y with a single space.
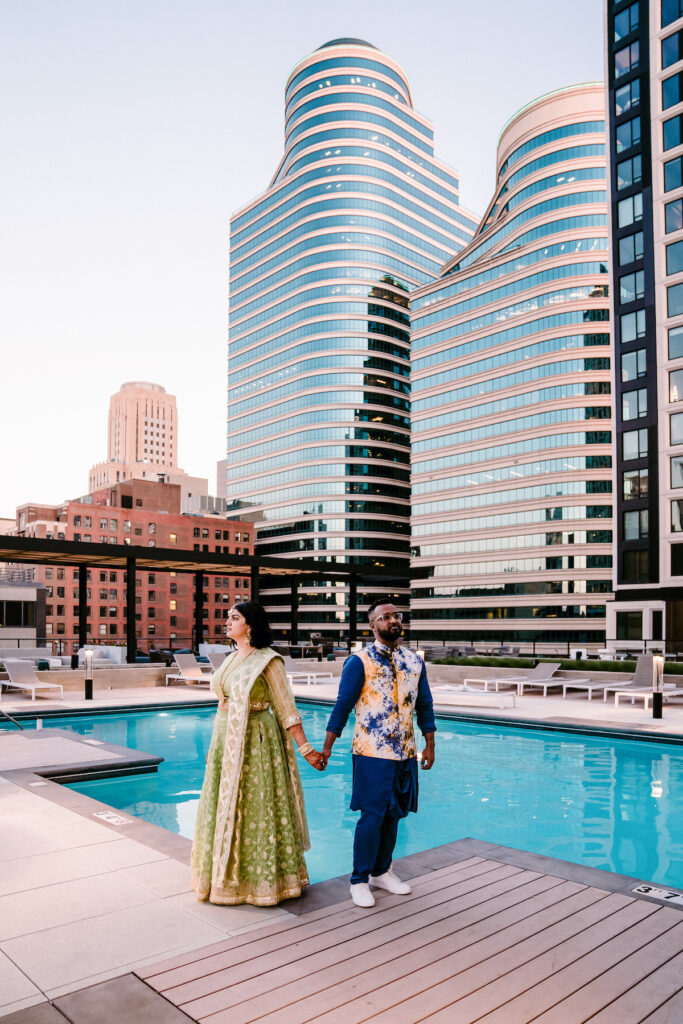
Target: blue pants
x=373 y=844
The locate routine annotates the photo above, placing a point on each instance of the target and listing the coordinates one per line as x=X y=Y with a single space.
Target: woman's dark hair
x=253 y=612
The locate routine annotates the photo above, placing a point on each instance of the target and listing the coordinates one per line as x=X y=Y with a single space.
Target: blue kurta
x=381 y=784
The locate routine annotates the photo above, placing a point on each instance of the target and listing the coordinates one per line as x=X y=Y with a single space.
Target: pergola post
x=294 y=612
x=82 y=605
x=131 y=642
x=254 y=583
x=353 y=607
x=198 y=607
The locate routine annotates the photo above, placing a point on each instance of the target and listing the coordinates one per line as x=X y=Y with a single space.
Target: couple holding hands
x=251 y=830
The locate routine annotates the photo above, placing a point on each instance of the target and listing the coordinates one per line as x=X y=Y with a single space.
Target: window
x=630 y=248
x=673 y=174
x=173 y=538
x=636 y=567
x=671 y=50
x=226 y=535
x=48 y=574
x=113 y=524
x=626 y=97
x=674 y=258
x=195 y=532
x=137 y=530
x=676 y=427
x=634 y=484
x=673 y=216
x=151 y=613
x=625 y=22
x=61 y=591
x=151 y=528
x=627 y=134
x=632 y=287
x=671 y=91
x=77 y=520
x=173 y=621
x=671 y=132
x=677 y=515
x=674 y=300
x=126 y=525
x=87 y=520
x=245 y=536
x=636 y=524
x=103 y=629
x=151 y=629
x=677 y=471
x=676 y=386
x=677 y=559
x=626 y=59
x=113 y=595
x=634 y=444
x=671 y=11
x=217 y=534
x=632 y=326
x=112 y=612
x=138 y=502
x=172 y=605
x=77 y=536
x=630 y=210
x=629 y=172
x=676 y=343
x=634 y=404
x=174 y=588
x=103 y=524
x=633 y=365
x=205 y=534
x=629 y=625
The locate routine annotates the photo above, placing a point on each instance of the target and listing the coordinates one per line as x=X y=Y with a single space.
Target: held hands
x=427 y=756
x=316 y=760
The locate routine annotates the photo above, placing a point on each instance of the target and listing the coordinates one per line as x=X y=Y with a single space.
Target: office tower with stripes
x=322 y=264
x=511 y=403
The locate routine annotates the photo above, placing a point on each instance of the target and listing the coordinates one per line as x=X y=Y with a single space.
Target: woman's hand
x=316 y=760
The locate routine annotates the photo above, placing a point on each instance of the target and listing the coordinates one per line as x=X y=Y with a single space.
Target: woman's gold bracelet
x=305 y=748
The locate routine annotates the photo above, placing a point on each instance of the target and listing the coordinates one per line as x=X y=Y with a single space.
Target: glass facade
x=322 y=264
x=511 y=425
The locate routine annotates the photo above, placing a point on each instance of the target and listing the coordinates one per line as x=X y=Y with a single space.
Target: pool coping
x=634 y=731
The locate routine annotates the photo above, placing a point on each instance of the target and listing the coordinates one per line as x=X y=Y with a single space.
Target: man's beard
x=389 y=634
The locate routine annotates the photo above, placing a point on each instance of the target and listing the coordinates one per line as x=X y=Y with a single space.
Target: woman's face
x=236 y=627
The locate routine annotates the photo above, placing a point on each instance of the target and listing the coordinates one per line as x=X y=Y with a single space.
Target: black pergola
x=132 y=558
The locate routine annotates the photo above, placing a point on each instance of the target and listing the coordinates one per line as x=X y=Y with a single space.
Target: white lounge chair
x=540 y=676
x=642 y=677
x=22 y=676
x=670 y=692
x=472 y=695
x=189 y=671
x=217 y=658
x=310 y=677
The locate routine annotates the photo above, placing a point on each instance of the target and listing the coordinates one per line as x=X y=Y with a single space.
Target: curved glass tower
x=511 y=404
x=321 y=266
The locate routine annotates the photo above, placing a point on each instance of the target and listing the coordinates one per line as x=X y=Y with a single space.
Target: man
x=387 y=684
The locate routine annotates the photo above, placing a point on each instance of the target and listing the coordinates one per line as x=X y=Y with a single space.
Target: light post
x=657 y=685
x=87 y=661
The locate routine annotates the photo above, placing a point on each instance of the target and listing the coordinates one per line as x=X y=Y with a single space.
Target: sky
x=131 y=131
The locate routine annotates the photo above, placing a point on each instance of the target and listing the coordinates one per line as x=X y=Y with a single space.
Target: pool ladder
x=7 y=715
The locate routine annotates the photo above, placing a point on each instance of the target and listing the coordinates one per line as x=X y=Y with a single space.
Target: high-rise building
x=511 y=404
x=321 y=266
x=644 y=44
x=142 y=440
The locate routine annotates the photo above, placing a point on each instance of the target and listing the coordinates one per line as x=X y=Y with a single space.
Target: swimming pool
x=600 y=801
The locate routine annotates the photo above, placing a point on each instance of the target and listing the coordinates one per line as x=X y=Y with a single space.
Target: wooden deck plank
x=455 y=977
x=670 y=1012
x=565 y=971
x=249 y=959
x=547 y=979
x=589 y=1000
x=304 y=982
x=275 y=928
x=663 y=984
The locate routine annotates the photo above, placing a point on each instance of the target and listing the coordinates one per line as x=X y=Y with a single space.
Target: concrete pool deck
x=88 y=895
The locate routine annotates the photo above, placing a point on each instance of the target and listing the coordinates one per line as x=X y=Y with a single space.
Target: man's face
x=385 y=624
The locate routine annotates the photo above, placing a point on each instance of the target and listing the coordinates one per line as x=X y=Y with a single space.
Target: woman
x=251 y=829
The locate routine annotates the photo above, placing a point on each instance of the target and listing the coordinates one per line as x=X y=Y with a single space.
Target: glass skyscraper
x=358 y=214
x=511 y=403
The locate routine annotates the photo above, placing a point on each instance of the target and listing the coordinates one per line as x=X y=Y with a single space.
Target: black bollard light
x=657 y=685
x=87 y=661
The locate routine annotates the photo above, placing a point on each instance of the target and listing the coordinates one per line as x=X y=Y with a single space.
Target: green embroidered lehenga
x=251 y=829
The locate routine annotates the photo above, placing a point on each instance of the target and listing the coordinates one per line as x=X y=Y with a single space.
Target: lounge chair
x=310 y=677
x=466 y=695
x=189 y=671
x=642 y=677
x=216 y=658
x=22 y=676
x=540 y=675
x=670 y=692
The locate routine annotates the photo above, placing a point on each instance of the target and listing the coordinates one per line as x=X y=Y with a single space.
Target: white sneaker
x=361 y=895
x=391 y=883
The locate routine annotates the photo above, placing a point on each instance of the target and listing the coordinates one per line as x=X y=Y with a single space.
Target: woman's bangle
x=305 y=749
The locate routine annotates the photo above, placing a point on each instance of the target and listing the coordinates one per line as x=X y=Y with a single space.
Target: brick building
x=137 y=512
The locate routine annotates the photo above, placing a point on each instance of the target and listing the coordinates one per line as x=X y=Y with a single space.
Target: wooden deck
x=477 y=940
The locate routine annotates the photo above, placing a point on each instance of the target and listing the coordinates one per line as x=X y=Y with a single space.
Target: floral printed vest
x=386 y=706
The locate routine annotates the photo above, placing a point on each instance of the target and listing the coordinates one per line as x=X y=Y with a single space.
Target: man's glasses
x=388 y=616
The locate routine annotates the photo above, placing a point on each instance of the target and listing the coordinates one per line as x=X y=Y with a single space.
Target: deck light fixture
x=87 y=661
x=657 y=685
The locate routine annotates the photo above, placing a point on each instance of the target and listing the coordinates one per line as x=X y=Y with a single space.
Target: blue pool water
x=603 y=802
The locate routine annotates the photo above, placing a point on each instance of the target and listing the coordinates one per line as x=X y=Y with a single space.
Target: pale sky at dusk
x=132 y=129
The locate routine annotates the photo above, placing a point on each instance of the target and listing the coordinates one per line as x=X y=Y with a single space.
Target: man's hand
x=326 y=752
x=428 y=753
